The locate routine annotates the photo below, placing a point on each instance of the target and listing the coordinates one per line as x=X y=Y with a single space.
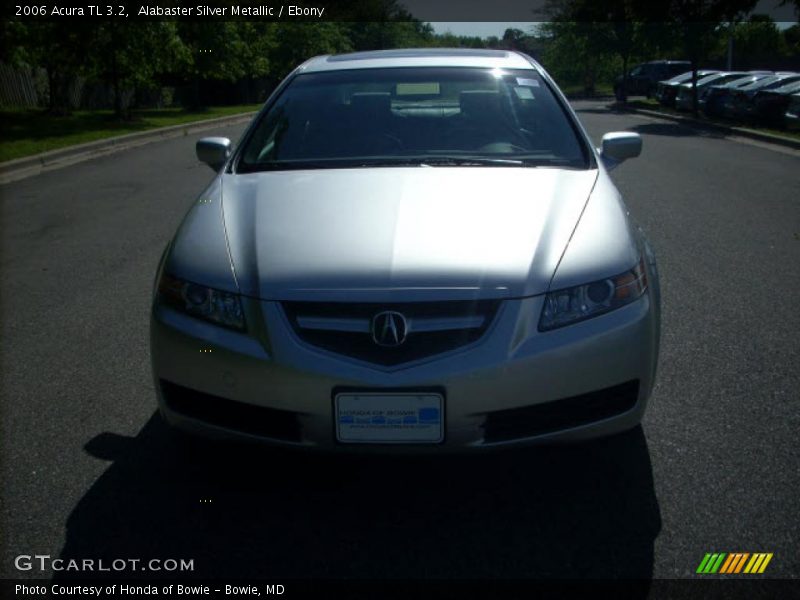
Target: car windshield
x=683 y=77
x=745 y=81
x=788 y=88
x=716 y=78
x=414 y=116
x=772 y=82
x=726 y=78
x=762 y=82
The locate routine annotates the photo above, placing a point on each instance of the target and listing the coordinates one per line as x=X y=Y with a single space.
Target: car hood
x=414 y=233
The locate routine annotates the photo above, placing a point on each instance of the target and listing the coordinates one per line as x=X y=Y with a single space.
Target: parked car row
x=763 y=97
x=667 y=91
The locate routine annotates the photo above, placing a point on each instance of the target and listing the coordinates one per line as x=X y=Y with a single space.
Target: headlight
x=571 y=305
x=222 y=308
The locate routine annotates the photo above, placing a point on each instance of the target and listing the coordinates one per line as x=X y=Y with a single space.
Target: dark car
x=739 y=103
x=684 y=98
x=643 y=78
x=714 y=96
x=770 y=106
x=667 y=91
x=792 y=114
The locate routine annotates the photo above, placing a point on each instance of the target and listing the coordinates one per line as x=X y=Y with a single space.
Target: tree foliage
x=583 y=43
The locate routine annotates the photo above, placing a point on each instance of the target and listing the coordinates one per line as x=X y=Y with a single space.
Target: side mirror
x=214 y=151
x=619 y=146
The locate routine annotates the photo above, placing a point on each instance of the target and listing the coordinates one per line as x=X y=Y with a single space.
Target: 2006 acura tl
x=415 y=247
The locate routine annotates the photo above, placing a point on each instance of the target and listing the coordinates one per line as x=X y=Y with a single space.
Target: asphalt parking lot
x=89 y=470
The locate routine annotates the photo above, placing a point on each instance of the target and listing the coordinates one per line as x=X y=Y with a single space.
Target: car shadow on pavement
x=674 y=130
x=603 y=109
x=579 y=511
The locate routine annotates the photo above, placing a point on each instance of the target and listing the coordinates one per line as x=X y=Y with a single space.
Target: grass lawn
x=652 y=104
x=28 y=131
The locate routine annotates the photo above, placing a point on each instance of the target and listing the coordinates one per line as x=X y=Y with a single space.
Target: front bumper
x=514 y=386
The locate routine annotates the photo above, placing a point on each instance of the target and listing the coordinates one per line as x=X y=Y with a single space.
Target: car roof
x=420 y=57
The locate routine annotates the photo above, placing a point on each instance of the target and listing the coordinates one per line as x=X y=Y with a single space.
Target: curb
x=730 y=130
x=28 y=166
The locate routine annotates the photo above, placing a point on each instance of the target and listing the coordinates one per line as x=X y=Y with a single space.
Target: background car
x=792 y=114
x=643 y=78
x=419 y=248
x=738 y=104
x=684 y=98
x=667 y=90
x=770 y=106
x=713 y=96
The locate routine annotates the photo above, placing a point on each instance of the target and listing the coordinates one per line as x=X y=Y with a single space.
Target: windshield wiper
x=280 y=165
x=469 y=161
x=434 y=161
x=417 y=161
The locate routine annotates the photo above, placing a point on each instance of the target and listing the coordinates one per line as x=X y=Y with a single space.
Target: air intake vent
x=529 y=421
x=230 y=414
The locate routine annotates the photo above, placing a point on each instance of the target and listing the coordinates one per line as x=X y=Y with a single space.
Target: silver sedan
x=416 y=249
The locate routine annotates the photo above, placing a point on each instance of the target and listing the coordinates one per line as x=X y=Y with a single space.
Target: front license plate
x=389 y=418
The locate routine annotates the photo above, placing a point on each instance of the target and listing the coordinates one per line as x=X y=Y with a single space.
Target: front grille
x=528 y=421
x=230 y=414
x=433 y=327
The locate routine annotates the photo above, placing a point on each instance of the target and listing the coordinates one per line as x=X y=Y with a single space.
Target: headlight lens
x=564 y=307
x=222 y=308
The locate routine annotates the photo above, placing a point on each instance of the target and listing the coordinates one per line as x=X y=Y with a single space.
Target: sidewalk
x=21 y=168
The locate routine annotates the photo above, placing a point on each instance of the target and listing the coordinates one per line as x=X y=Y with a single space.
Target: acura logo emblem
x=389 y=328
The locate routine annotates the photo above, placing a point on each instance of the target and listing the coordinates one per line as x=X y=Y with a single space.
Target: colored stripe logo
x=734 y=562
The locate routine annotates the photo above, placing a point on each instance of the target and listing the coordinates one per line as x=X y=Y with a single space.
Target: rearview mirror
x=214 y=151
x=619 y=146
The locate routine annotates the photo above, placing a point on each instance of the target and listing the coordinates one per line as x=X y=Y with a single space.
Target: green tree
x=698 y=25
x=224 y=51
x=576 y=52
x=516 y=39
x=259 y=41
x=378 y=35
x=791 y=38
x=757 y=42
x=130 y=55
x=450 y=40
x=297 y=42
x=61 y=51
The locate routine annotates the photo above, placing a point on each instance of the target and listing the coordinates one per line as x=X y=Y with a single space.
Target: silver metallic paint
x=404 y=234
x=371 y=234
